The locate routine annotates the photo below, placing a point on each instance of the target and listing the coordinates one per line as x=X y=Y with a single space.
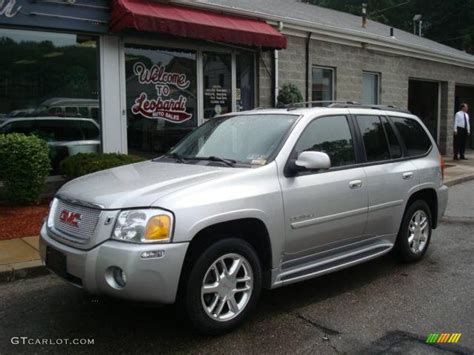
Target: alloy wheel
x=418 y=231
x=227 y=287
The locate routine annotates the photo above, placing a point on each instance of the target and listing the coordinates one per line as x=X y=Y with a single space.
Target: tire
x=413 y=240
x=205 y=270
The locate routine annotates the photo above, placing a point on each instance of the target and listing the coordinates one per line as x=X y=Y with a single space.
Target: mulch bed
x=22 y=221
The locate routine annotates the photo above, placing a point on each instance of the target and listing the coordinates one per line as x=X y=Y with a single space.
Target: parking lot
x=378 y=307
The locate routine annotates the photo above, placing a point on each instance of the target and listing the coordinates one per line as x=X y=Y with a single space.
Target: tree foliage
x=448 y=22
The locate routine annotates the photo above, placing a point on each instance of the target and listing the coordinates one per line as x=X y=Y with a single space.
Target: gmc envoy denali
x=255 y=199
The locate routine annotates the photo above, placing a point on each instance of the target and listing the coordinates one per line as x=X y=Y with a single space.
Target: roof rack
x=374 y=107
x=305 y=103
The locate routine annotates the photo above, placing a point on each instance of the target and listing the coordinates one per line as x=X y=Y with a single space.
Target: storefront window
x=245 y=91
x=161 y=98
x=217 y=69
x=49 y=87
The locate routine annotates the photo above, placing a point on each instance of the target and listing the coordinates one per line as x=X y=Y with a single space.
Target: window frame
x=355 y=144
x=379 y=84
x=333 y=80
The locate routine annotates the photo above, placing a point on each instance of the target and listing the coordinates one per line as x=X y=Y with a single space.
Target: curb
x=459 y=180
x=36 y=268
x=30 y=269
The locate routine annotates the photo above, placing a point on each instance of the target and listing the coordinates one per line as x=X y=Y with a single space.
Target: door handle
x=408 y=175
x=355 y=184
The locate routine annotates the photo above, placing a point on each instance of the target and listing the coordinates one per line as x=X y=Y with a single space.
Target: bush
x=289 y=94
x=24 y=166
x=87 y=163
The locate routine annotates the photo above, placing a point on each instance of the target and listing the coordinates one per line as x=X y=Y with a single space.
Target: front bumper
x=151 y=280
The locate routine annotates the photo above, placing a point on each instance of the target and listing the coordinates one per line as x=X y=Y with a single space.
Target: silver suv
x=263 y=198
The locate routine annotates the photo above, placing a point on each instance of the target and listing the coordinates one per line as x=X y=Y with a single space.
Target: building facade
x=127 y=76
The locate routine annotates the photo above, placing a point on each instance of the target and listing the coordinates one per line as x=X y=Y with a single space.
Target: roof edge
x=357 y=36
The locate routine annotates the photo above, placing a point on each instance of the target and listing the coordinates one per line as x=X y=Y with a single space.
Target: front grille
x=85 y=225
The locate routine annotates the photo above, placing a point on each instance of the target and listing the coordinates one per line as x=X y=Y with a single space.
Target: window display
x=51 y=75
x=161 y=97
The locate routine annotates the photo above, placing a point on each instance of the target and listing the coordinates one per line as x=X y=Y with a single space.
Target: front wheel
x=223 y=286
x=415 y=232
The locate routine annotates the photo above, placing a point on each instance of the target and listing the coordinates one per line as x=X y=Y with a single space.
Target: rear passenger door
x=390 y=177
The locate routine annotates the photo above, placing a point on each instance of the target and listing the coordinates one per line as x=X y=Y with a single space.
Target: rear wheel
x=223 y=286
x=415 y=232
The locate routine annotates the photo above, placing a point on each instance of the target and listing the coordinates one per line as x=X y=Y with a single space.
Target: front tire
x=223 y=286
x=415 y=232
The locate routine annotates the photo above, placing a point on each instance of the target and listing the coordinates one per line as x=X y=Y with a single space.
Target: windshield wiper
x=176 y=156
x=228 y=162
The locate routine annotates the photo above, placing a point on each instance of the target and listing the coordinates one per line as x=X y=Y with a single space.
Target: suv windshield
x=244 y=139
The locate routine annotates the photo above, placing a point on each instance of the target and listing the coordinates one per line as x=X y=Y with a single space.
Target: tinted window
x=58 y=130
x=24 y=127
x=90 y=130
x=375 y=142
x=393 y=143
x=330 y=135
x=413 y=135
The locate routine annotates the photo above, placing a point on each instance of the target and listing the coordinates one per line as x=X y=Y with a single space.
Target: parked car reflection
x=65 y=135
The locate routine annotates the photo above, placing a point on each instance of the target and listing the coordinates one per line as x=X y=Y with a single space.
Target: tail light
x=442 y=166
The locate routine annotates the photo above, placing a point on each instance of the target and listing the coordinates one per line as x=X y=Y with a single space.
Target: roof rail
x=374 y=107
x=329 y=102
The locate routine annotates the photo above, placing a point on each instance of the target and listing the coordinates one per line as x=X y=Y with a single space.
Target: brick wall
x=349 y=63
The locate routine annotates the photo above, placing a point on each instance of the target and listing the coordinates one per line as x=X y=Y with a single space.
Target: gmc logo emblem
x=71 y=218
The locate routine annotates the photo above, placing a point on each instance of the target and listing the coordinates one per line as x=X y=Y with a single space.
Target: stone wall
x=349 y=62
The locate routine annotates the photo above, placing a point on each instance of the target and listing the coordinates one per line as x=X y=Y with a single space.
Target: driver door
x=325 y=209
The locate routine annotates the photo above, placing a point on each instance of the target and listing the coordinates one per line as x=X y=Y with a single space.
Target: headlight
x=52 y=211
x=143 y=226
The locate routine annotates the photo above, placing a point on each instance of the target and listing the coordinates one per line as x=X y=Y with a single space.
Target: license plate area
x=56 y=261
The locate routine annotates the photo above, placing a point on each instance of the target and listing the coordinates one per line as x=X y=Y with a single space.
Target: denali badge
x=71 y=218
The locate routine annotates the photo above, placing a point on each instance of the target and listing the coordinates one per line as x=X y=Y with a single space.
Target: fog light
x=150 y=254
x=119 y=276
x=115 y=277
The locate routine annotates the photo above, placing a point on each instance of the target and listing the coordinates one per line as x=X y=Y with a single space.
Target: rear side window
x=393 y=143
x=413 y=135
x=90 y=130
x=375 y=142
x=330 y=135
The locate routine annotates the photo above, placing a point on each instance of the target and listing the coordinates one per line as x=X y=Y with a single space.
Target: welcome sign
x=9 y=8
x=162 y=106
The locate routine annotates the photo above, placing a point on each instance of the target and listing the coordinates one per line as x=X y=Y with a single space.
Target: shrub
x=289 y=94
x=24 y=166
x=87 y=163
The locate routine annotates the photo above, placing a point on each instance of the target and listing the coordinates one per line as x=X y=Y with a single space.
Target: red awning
x=151 y=16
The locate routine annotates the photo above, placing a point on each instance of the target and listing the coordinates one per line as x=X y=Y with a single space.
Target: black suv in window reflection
x=65 y=135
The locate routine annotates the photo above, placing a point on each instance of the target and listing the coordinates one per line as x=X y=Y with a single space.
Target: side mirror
x=309 y=161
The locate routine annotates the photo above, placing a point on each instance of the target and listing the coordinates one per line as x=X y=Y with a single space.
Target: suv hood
x=139 y=185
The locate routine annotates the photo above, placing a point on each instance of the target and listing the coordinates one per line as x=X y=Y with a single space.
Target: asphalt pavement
x=379 y=307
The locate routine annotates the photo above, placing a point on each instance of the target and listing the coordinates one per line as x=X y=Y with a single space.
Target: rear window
x=417 y=141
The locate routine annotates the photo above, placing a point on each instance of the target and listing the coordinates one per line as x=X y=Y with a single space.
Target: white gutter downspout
x=276 y=77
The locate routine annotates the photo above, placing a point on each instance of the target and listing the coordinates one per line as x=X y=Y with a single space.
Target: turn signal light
x=158 y=228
